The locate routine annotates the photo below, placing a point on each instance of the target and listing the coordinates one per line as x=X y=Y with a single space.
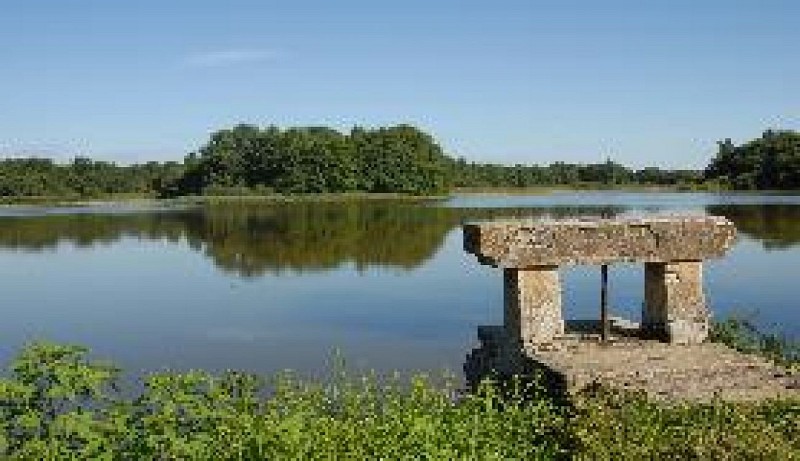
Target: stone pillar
x=533 y=304
x=675 y=308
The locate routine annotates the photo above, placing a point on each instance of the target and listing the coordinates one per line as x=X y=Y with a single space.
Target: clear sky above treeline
x=512 y=81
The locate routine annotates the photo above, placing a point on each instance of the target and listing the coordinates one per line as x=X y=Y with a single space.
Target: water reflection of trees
x=776 y=226
x=250 y=239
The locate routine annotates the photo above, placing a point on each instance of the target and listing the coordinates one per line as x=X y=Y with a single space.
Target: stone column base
x=675 y=308
x=533 y=304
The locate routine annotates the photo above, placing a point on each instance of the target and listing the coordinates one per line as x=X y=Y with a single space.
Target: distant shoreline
x=210 y=199
x=129 y=199
x=538 y=190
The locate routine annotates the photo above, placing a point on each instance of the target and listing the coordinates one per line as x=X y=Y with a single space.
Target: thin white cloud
x=224 y=58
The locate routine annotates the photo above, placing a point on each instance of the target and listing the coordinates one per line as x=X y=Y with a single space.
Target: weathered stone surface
x=533 y=337
x=675 y=307
x=697 y=372
x=533 y=304
x=525 y=244
x=672 y=249
x=668 y=372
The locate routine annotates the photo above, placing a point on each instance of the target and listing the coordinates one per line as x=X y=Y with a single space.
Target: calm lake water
x=266 y=287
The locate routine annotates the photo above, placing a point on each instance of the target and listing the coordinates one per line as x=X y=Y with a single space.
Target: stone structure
x=672 y=249
x=533 y=340
x=694 y=372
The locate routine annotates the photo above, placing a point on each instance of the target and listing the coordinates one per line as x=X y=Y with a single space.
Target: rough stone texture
x=675 y=307
x=672 y=249
x=533 y=337
x=693 y=372
x=523 y=244
x=697 y=372
x=533 y=304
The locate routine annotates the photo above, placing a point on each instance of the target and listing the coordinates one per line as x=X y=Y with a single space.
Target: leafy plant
x=742 y=334
x=55 y=403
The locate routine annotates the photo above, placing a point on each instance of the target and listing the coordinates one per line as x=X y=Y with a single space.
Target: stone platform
x=667 y=372
x=667 y=356
x=672 y=249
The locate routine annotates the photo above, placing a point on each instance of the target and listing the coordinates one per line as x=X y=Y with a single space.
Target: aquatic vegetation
x=742 y=334
x=57 y=403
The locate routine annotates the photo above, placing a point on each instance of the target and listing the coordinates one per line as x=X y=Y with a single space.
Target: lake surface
x=265 y=287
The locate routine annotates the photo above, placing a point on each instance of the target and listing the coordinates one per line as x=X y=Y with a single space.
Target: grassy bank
x=219 y=194
x=741 y=333
x=55 y=403
x=325 y=197
x=245 y=195
x=66 y=200
x=596 y=186
x=579 y=187
x=134 y=199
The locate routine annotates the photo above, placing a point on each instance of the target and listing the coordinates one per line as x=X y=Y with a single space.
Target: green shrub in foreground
x=615 y=425
x=56 y=404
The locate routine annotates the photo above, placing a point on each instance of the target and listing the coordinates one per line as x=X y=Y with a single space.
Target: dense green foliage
x=769 y=162
x=33 y=177
x=246 y=160
x=608 y=173
x=57 y=404
x=612 y=425
x=313 y=160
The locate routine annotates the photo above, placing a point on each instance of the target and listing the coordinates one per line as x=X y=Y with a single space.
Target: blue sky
x=646 y=83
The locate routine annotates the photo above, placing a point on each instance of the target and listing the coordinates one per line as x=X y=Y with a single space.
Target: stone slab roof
x=530 y=243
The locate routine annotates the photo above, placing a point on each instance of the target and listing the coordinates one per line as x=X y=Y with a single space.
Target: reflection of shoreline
x=250 y=239
x=775 y=226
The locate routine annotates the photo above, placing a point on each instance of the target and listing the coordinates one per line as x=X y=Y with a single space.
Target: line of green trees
x=83 y=177
x=402 y=159
x=769 y=162
x=608 y=173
